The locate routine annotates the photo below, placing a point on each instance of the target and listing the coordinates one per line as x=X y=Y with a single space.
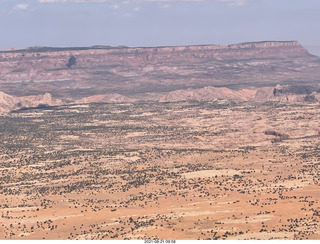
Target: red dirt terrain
x=185 y=170
x=197 y=142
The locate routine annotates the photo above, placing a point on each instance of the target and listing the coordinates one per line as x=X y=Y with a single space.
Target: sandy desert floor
x=186 y=170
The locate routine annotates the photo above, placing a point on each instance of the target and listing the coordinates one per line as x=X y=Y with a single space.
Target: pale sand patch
x=256 y=219
x=86 y=236
x=145 y=229
x=294 y=183
x=42 y=164
x=122 y=157
x=136 y=236
x=195 y=213
x=80 y=106
x=264 y=236
x=178 y=214
x=7 y=168
x=147 y=114
x=287 y=184
x=134 y=134
x=205 y=112
x=69 y=137
x=184 y=209
x=19 y=209
x=211 y=173
x=81 y=150
x=223 y=203
x=53 y=218
x=201 y=138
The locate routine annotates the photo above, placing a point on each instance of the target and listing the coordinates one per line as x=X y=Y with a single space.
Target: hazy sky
x=25 y=23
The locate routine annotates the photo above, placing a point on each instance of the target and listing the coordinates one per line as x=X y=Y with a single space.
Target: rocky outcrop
x=279 y=93
x=10 y=103
x=38 y=101
x=208 y=93
x=7 y=102
x=104 y=98
x=295 y=89
x=263 y=94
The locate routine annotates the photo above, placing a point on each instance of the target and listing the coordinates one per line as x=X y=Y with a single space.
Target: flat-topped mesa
x=246 y=50
x=262 y=44
x=55 y=59
x=241 y=51
x=78 y=72
x=266 y=44
x=266 y=49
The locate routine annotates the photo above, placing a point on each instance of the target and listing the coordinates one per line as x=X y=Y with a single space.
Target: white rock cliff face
x=9 y=103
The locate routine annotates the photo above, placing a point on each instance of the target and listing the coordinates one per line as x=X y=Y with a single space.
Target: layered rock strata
x=72 y=74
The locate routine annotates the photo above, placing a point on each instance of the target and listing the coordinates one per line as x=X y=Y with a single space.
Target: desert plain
x=187 y=170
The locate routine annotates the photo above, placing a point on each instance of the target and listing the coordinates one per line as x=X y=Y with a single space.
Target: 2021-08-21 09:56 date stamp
x=160 y=241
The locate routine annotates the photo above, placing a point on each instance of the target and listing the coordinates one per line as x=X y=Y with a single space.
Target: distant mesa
x=243 y=71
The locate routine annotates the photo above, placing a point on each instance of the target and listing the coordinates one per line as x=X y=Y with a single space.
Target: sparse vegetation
x=185 y=170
